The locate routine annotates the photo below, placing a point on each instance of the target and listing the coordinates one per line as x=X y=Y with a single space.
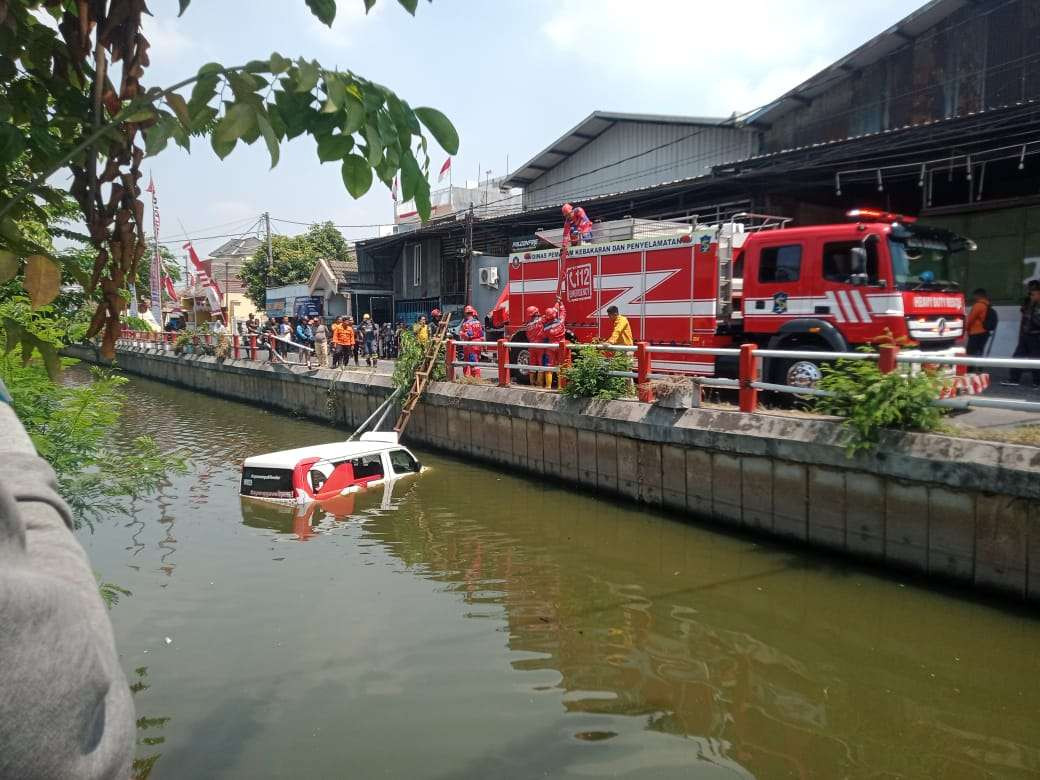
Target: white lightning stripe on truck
x=533 y=286
x=861 y=308
x=847 y=307
x=832 y=301
x=628 y=299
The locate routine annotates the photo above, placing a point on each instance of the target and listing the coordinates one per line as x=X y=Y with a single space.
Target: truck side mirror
x=859 y=260
x=859 y=280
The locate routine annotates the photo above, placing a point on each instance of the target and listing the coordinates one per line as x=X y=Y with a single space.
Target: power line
x=310 y=224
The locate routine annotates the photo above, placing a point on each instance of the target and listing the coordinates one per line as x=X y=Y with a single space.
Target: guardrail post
x=252 y=346
x=235 y=343
x=450 y=360
x=643 y=372
x=563 y=360
x=887 y=358
x=962 y=368
x=503 y=361
x=748 y=374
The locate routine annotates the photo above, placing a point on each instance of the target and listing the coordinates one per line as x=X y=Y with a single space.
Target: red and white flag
x=168 y=283
x=445 y=170
x=214 y=294
x=393 y=190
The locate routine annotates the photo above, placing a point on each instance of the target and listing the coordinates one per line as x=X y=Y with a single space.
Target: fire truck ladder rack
x=422 y=374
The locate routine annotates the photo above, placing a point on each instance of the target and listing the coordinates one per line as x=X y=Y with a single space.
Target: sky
x=513 y=76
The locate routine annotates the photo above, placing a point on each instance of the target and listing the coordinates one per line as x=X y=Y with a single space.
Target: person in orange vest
x=577 y=222
x=554 y=323
x=471 y=330
x=535 y=331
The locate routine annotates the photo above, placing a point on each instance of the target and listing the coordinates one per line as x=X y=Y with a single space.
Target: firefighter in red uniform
x=577 y=222
x=553 y=321
x=471 y=330
x=535 y=332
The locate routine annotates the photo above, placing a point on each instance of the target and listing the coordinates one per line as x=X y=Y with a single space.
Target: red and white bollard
x=252 y=347
x=645 y=394
x=887 y=358
x=503 y=363
x=748 y=374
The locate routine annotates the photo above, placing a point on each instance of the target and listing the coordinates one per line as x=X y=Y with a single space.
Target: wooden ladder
x=422 y=374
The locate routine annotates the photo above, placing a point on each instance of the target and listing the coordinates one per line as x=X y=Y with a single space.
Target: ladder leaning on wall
x=423 y=372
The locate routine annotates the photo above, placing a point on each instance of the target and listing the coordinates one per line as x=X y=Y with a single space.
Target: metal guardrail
x=749 y=381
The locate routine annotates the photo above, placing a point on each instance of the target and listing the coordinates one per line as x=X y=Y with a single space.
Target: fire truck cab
x=752 y=279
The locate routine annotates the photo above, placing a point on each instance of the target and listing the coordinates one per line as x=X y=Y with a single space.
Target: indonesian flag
x=444 y=170
x=209 y=285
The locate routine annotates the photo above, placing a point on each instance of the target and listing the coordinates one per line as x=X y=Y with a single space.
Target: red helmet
x=436 y=314
x=531 y=311
x=567 y=209
x=469 y=311
x=550 y=313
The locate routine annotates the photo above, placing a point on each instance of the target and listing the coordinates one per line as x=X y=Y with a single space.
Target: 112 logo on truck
x=579 y=282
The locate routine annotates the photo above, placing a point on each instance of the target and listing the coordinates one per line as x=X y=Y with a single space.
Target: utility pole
x=469 y=250
x=227 y=298
x=270 y=255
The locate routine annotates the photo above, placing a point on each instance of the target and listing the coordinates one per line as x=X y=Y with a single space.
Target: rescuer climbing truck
x=827 y=288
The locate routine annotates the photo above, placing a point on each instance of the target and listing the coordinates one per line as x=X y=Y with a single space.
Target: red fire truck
x=752 y=279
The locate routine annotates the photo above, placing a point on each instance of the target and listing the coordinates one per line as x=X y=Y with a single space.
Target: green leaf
x=336 y=92
x=422 y=199
x=409 y=5
x=441 y=128
x=357 y=175
x=203 y=91
x=369 y=4
x=11 y=143
x=269 y=138
x=410 y=176
x=355 y=115
x=374 y=151
x=156 y=138
x=180 y=108
x=334 y=147
x=325 y=10
x=278 y=63
x=211 y=68
x=239 y=121
x=222 y=146
x=307 y=76
x=8 y=265
x=184 y=6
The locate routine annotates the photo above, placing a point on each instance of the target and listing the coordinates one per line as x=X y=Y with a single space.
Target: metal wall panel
x=985 y=55
x=631 y=155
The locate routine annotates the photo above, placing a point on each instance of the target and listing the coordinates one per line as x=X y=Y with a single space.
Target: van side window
x=839 y=264
x=367 y=466
x=780 y=263
x=403 y=463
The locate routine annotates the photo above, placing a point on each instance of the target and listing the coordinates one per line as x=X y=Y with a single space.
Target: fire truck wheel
x=796 y=372
x=521 y=357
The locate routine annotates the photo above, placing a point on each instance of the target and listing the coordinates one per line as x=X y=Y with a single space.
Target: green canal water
x=480 y=624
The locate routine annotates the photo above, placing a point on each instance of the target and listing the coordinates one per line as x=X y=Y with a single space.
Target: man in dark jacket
x=1028 y=336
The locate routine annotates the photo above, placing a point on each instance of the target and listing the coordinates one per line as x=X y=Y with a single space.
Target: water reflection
x=766 y=662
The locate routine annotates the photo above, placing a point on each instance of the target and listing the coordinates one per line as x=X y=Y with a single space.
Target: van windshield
x=919 y=262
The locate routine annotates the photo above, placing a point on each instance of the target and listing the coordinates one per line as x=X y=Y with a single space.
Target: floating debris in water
x=595 y=736
x=168 y=640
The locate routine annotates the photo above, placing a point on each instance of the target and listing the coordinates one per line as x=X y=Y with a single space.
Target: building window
x=780 y=264
x=839 y=265
x=416 y=265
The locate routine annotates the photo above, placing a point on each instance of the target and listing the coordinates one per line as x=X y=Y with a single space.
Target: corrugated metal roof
x=590 y=128
x=236 y=247
x=881 y=45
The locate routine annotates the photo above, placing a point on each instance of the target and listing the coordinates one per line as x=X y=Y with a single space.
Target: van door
x=848 y=270
x=777 y=285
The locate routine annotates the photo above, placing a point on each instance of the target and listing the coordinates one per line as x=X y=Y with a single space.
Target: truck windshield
x=919 y=262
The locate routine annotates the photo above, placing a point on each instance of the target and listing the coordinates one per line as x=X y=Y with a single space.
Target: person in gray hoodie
x=65 y=706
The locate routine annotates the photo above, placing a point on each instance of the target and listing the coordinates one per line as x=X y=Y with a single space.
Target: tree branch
x=98 y=132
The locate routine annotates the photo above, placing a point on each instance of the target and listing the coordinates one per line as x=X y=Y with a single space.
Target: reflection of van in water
x=299 y=520
x=324 y=471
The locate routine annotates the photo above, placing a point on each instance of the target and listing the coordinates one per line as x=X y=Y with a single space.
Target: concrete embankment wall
x=954 y=509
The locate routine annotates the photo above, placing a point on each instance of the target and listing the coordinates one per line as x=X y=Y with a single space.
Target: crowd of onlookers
x=331 y=343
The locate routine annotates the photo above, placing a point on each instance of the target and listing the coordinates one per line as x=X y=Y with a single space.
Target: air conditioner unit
x=489 y=277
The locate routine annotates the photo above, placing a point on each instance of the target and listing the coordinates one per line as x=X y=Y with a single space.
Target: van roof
x=287 y=459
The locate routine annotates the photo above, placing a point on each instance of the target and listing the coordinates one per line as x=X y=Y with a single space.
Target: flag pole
x=187 y=274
